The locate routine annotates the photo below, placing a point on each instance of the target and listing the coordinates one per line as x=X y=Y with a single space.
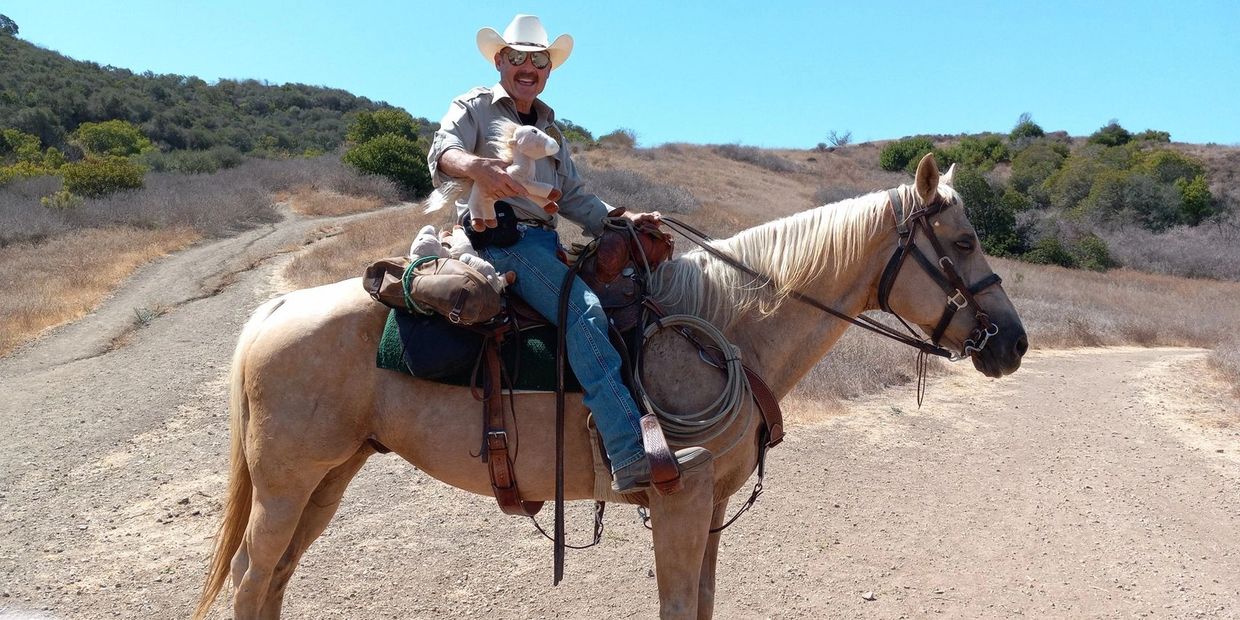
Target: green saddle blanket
x=529 y=360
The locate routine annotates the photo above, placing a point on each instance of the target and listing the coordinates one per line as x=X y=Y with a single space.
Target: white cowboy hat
x=525 y=33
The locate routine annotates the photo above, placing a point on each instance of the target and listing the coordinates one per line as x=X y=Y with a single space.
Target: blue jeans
x=590 y=352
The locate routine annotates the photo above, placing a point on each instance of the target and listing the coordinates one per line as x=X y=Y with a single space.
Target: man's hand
x=653 y=218
x=491 y=176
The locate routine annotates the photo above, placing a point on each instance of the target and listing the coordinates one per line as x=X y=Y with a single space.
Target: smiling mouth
x=526 y=79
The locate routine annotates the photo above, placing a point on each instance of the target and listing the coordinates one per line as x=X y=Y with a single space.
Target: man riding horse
x=523 y=238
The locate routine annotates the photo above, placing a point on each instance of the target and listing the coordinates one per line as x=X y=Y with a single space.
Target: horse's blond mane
x=793 y=251
x=503 y=129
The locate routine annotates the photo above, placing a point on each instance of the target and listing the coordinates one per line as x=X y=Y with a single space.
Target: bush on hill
x=395 y=157
x=993 y=218
x=96 y=177
x=574 y=133
x=114 y=137
x=982 y=152
x=900 y=154
x=1111 y=134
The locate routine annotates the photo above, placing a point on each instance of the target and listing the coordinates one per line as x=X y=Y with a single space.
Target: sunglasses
x=516 y=58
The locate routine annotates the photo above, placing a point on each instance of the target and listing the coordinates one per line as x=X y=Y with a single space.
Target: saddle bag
x=432 y=284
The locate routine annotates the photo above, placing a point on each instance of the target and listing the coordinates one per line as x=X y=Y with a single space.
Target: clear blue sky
x=775 y=74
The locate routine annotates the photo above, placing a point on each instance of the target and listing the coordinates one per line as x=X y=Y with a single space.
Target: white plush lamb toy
x=454 y=244
x=520 y=146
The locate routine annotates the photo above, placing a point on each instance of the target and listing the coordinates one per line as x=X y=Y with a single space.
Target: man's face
x=523 y=82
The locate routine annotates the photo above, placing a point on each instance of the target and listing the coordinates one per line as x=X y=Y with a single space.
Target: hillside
x=1100 y=215
x=47 y=94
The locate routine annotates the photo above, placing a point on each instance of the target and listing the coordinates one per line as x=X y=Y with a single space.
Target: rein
x=704 y=241
x=959 y=294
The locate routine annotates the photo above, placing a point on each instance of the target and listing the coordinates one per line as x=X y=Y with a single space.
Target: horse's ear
x=949 y=176
x=927 y=179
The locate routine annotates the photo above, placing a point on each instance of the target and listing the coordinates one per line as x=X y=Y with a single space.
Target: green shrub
x=1092 y=253
x=396 y=157
x=1150 y=204
x=994 y=223
x=980 y=152
x=899 y=154
x=1071 y=183
x=1151 y=135
x=1105 y=200
x=1036 y=163
x=95 y=177
x=1049 y=251
x=1111 y=134
x=53 y=159
x=1167 y=166
x=193 y=162
x=22 y=170
x=1014 y=201
x=114 y=137
x=574 y=133
x=61 y=199
x=367 y=126
x=19 y=146
x=1196 y=203
x=1025 y=129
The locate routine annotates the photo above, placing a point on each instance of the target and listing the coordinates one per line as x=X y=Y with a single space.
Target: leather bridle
x=943 y=271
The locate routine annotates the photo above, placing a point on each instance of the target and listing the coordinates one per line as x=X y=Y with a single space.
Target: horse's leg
x=314 y=519
x=280 y=496
x=681 y=528
x=706 y=582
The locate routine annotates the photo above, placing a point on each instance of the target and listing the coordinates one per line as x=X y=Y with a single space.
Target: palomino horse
x=306 y=396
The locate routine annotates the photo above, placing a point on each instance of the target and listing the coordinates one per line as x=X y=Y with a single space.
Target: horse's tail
x=240 y=488
x=446 y=194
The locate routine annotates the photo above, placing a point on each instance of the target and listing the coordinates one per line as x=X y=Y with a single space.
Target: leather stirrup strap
x=495 y=438
x=664 y=472
x=768 y=406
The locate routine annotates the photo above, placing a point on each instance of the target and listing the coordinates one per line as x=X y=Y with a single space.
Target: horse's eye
x=965 y=245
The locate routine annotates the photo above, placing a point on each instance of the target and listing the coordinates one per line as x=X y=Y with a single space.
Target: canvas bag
x=445 y=286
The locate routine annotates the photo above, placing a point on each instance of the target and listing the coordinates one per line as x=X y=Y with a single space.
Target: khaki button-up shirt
x=467 y=126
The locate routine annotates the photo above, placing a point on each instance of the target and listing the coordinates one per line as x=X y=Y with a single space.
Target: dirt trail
x=1098 y=482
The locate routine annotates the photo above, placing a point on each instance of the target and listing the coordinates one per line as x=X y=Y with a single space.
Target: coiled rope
x=699 y=427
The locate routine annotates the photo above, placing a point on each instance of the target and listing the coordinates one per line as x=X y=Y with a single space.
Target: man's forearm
x=488 y=174
x=458 y=163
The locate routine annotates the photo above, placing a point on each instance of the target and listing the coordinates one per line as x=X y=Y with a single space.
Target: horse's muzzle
x=1003 y=352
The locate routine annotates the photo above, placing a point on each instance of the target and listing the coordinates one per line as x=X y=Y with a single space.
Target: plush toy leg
x=544 y=193
x=481 y=211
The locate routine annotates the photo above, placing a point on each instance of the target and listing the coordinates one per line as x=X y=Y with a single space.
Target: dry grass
x=315 y=201
x=51 y=283
x=346 y=253
x=1067 y=308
